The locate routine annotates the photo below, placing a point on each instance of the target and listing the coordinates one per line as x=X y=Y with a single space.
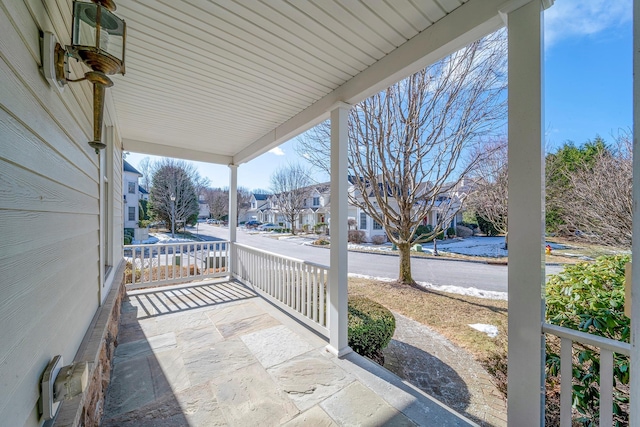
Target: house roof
x=239 y=79
x=128 y=168
x=142 y=190
x=261 y=196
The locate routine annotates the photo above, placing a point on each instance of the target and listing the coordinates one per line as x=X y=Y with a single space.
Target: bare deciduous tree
x=291 y=186
x=173 y=180
x=244 y=201
x=488 y=197
x=406 y=143
x=146 y=168
x=599 y=199
x=218 y=201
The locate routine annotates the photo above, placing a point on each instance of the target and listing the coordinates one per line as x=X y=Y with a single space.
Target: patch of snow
x=459 y=290
x=150 y=241
x=474 y=246
x=490 y=330
x=166 y=238
x=369 y=247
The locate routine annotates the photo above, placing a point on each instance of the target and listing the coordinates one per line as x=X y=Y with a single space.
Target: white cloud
x=575 y=18
x=277 y=151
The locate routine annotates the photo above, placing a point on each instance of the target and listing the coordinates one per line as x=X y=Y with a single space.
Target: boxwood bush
x=371 y=327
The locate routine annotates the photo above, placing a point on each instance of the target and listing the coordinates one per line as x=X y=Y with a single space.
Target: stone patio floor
x=216 y=354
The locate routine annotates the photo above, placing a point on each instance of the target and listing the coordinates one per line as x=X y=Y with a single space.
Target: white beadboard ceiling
x=226 y=80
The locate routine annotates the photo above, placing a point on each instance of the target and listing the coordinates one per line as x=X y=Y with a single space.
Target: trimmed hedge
x=371 y=327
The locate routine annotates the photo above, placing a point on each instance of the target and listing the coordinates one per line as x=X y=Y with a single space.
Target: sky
x=588 y=86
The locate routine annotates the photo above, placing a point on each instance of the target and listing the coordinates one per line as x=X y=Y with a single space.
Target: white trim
x=233 y=210
x=175 y=151
x=526 y=218
x=338 y=270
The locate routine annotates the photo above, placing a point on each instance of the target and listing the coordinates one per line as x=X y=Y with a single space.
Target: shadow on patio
x=217 y=354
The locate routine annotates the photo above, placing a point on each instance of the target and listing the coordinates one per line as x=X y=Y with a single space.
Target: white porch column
x=233 y=213
x=634 y=382
x=526 y=216
x=338 y=343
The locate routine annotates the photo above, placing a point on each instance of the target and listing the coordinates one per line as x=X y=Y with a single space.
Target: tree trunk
x=404 y=250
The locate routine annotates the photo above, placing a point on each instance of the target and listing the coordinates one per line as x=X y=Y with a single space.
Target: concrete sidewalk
x=216 y=354
x=441 y=369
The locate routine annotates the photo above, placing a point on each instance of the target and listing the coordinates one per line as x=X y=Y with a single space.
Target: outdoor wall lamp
x=61 y=383
x=98 y=40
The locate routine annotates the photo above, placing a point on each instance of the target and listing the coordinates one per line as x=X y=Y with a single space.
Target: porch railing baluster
x=607 y=349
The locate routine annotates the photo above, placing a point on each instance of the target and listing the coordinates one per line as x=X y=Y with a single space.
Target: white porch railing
x=607 y=348
x=162 y=264
x=297 y=286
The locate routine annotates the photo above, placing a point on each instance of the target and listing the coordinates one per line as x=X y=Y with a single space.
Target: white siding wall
x=49 y=210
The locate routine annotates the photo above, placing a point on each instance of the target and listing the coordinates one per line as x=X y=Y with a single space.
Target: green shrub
x=486 y=227
x=371 y=327
x=423 y=230
x=451 y=231
x=129 y=232
x=127 y=239
x=589 y=297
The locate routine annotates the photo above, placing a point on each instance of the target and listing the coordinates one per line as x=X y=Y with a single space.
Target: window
x=363 y=221
x=132 y=187
x=377 y=225
x=132 y=213
x=316 y=201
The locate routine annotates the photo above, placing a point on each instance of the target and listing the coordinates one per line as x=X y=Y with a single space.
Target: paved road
x=440 y=272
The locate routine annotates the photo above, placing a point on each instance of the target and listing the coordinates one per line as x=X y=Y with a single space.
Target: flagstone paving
x=216 y=354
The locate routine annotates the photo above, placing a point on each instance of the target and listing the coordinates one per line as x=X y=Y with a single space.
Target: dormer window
x=316 y=201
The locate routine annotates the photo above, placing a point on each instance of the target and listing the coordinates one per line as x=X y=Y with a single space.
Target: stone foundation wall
x=97 y=348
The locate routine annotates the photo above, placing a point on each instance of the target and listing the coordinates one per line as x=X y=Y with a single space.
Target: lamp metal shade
x=98 y=37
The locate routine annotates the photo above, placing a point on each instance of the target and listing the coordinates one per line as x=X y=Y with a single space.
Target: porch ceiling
x=225 y=80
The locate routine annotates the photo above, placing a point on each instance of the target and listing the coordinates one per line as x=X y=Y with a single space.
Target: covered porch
x=216 y=353
x=223 y=82
x=317 y=295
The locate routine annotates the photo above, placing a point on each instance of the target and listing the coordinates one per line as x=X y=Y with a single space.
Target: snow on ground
x=472 y=292
x=166 y=238
x=490 y=330
x=489 y=247
x=472 y=246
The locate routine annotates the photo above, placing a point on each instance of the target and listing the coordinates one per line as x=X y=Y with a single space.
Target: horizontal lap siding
x=49 y=214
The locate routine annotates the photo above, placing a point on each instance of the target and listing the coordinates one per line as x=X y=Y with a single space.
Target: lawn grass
x=448 y=314
x=580 y=248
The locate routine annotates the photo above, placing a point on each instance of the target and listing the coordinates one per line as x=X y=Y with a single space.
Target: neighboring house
x=446 y=205
x=142 y=193
x=316 y=210
x=203 y=208
x=257 y=208
x=131 y=195
x=316 y=207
